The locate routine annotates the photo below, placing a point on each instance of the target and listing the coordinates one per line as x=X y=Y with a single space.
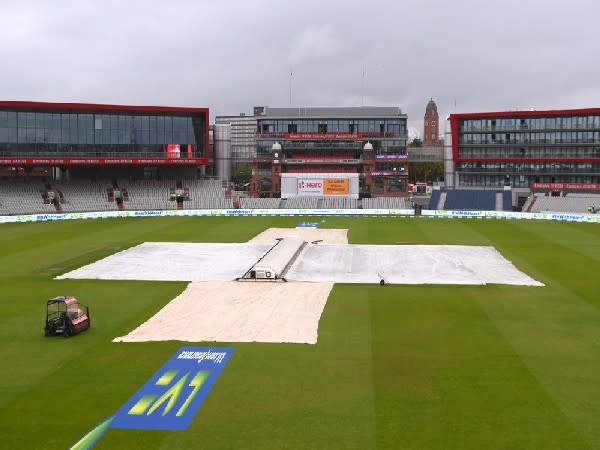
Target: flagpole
x=362 y=87
x=291 y=73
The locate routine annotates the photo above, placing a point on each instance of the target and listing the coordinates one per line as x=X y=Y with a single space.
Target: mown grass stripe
x=565 y=313
x=446 y=378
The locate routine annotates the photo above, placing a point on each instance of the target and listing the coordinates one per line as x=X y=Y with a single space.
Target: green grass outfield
x=415 y=367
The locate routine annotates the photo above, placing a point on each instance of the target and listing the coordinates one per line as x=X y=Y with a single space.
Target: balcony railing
x=532 y=142
x=91 y=154
x=331 y=161
x=316 y=135
x=497 y=128
x=329 y=146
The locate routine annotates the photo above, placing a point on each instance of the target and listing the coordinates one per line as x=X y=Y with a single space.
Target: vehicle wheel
x=67 y=331
x=381 y=282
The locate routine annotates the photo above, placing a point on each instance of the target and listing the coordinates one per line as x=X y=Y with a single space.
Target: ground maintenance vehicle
x=66 y=316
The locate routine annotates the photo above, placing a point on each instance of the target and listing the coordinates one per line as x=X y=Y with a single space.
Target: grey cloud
x=232 y=55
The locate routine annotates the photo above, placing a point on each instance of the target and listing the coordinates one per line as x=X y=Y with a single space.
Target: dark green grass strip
x=446 y=378
x=555 y=328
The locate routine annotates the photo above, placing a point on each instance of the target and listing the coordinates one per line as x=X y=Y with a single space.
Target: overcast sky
x=469 y=55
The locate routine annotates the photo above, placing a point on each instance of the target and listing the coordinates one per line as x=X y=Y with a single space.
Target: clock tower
x=431 y=126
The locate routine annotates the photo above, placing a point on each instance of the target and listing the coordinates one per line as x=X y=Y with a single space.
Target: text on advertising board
x=567 y=186
x=335 y=186
x=310 y=186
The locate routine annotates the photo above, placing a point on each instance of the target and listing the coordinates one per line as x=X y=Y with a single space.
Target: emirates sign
x=567 y=186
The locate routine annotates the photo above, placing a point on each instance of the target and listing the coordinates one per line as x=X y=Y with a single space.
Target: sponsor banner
x=238 y=212
x=171 y=161
x=170 y=399
x=336 y=186
x=566 y=186
x=466 y=213
x=567 y=217
x=148 y=213
x=434 y=212
x=310 y=186
x=348 y=136
x=47 y=217
x=317 y=160
x=392 y=157
x=385 y=173
x=340 y=212
x=515 y=215
x=573 y=217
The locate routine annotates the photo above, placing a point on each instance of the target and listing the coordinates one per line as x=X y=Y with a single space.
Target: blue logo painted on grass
x=308 y=225
x=170 y=399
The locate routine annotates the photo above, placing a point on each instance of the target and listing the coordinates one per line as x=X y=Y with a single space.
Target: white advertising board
x=567 y=217
x=310 y=187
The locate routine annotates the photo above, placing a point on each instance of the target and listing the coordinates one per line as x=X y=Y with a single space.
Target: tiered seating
x=23 y=197
x=27 y=197
x=435 y=199
x=593 y=197
x=206 y=194
x=481 y=200
x=531 y=199
x=506 y=200
x=210 y=203
x=259 y=203
x=302 y=203
x=148 y=194
x=19 y=197
x=83 y=195
x=385 y=203
x=578 y=203
x=339 y=203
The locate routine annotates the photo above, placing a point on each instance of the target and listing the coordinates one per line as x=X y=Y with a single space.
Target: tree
x=416 y=142
x=426 y=171
x=241 y=174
